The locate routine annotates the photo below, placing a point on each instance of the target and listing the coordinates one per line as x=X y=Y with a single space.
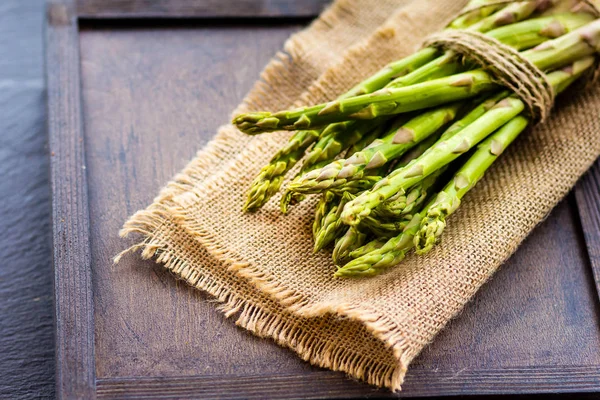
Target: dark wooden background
x=26 y=309
x=26 y=329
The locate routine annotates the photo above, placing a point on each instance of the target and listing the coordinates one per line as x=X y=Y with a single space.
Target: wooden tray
x=134 y=89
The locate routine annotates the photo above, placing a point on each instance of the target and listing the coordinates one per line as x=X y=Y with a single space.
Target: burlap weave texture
x=261 y=266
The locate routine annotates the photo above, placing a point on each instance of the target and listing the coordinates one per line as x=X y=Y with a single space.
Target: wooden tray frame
x=74 y=315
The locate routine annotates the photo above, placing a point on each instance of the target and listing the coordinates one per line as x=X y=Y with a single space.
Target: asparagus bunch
x=426 y=227
x=396 y=74
x=393 y=158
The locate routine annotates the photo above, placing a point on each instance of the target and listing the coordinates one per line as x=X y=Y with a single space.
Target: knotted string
x=508 y=66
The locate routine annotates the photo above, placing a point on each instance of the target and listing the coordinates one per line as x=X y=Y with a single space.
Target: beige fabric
x=261 y=267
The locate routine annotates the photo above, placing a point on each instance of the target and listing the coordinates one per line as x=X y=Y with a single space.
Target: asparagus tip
x=429 y=233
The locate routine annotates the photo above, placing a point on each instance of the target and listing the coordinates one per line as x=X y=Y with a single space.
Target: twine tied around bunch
x=508 y=66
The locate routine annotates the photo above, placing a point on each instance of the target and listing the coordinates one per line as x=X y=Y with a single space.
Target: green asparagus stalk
x=270 y=178
x=380 y=103
x=332 y=225
x=326 y=203
x=405 y=203
x=373 y=245
x=367 y=182
x=549 y=55
x=528 y=34
x=566 y=49
x=510 y=14
x=352 y=240
x=386 y=227
x=365 y=141
x=449 y=199
x=446 y=151
x=480 y=10
x=357 y=186
x=482 y=107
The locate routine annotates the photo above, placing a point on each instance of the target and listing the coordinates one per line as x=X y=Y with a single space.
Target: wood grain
x=152 y=97
x=199 y=9
x=450 y=382
x=75 y=370
x=588 y=202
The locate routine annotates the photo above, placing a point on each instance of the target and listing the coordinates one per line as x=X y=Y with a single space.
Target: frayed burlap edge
x=252 y=317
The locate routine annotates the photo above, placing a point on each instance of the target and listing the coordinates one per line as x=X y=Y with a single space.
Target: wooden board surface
x=154 y=94
x=151 y=98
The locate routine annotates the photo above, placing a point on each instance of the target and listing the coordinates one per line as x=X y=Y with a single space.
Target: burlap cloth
x=261 y=267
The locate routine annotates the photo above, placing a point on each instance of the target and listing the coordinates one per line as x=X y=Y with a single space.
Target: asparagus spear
x=271 y=176
x=479 y=10
x=373 y=245
x=332 y=224
x=380 y=103
x=482 y=107
x=510 y=14
x=326 y=203
x=367 y=182
x=446 y=151
x=352 y=240
x=533 y=32
x=386 y=228
x=549 y=55
x=336 y=138
x=357 y=186
x=448 y=200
